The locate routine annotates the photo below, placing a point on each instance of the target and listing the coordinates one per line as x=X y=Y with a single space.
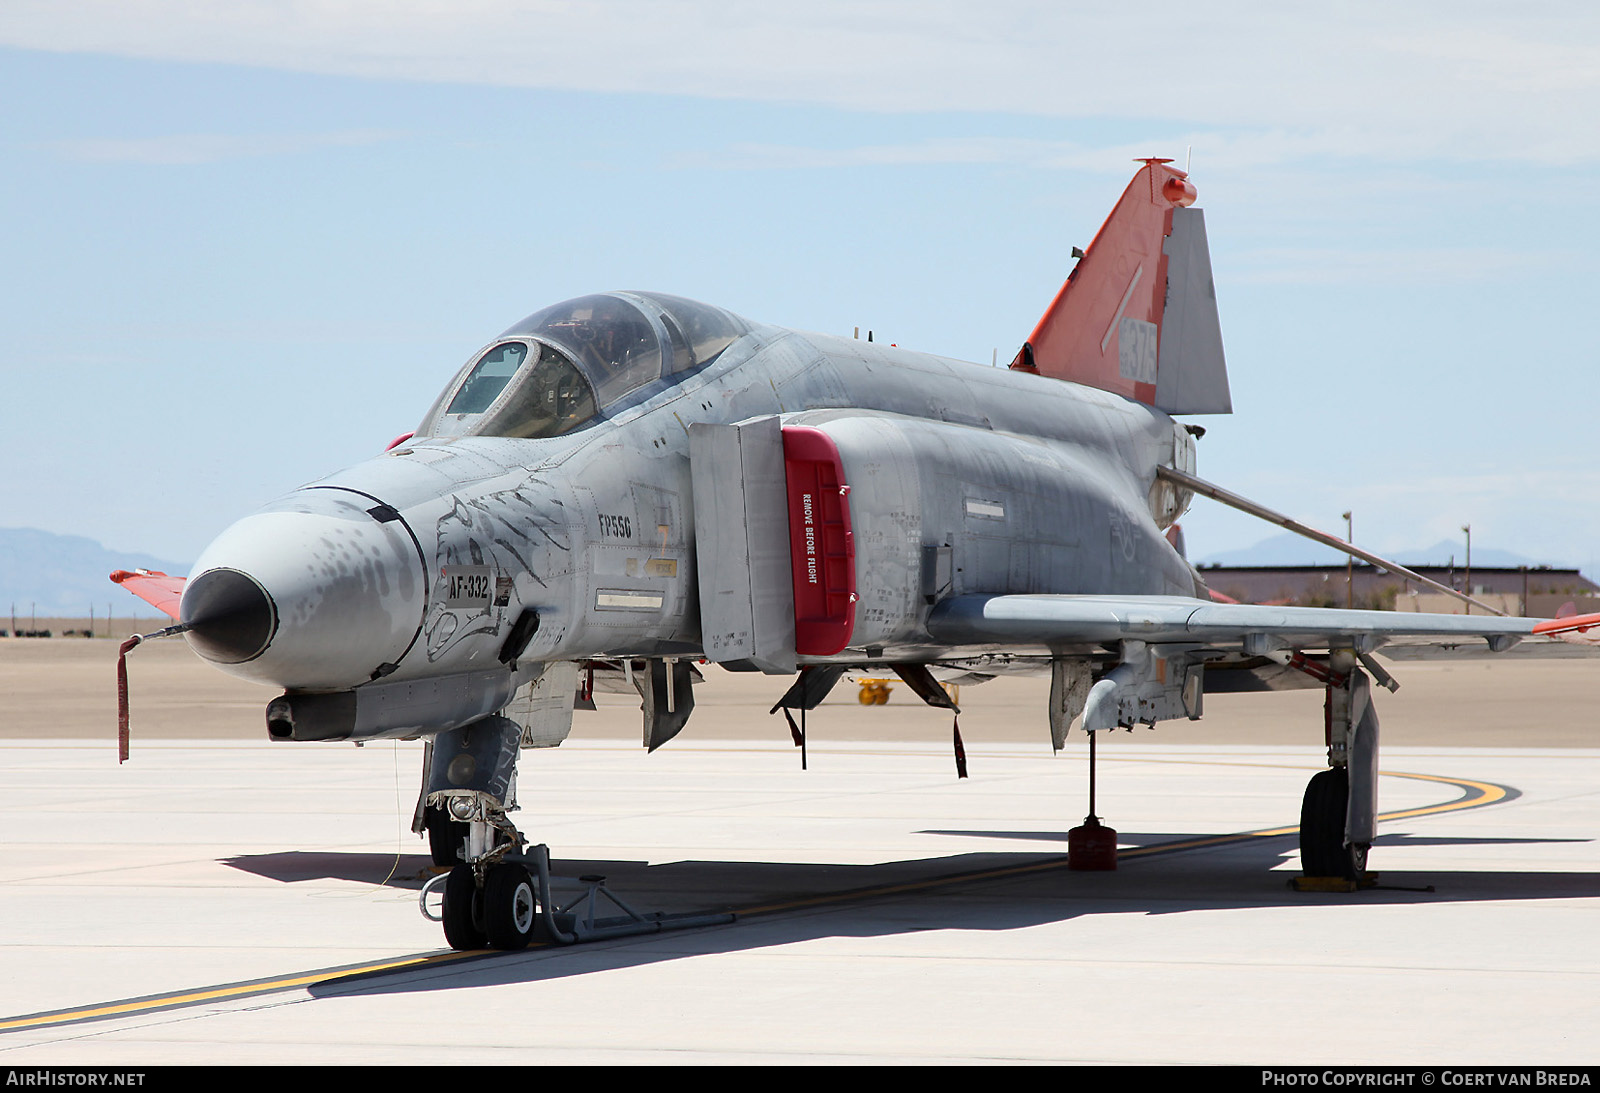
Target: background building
x=1539 y=591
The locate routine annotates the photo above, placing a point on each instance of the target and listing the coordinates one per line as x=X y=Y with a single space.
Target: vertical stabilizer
x=1138 y=315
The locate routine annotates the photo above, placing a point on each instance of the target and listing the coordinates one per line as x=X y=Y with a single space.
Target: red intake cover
x=821 y=548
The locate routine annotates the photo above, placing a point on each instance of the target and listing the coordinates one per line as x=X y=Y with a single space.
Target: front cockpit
x=566 y=365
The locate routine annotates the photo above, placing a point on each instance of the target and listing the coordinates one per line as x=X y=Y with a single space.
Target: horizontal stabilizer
x=160 y=590
x=1138 y=314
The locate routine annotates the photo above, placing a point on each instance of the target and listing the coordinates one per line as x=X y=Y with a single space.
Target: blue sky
x=247 y=243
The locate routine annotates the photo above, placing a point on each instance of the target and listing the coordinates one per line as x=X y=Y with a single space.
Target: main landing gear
x=1338 y=816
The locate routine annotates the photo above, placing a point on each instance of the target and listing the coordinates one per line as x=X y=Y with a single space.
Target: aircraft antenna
x=1187 y=156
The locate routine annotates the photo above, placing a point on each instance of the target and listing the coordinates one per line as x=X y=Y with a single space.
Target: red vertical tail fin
x=1138 y=315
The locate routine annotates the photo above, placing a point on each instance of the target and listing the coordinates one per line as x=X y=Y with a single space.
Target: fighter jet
x=624 y=486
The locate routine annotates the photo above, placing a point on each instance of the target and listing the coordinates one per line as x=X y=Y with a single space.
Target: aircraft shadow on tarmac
x=1153 y=842
x=943 y=892
x=717 y=885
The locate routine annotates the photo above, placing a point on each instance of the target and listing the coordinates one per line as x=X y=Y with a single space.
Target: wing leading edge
x=1060 y=620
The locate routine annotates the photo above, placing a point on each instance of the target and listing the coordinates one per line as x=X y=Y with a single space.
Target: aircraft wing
x=160 y=590
x=1062 y=620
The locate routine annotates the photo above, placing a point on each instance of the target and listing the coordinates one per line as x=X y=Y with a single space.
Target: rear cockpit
x=563 y=367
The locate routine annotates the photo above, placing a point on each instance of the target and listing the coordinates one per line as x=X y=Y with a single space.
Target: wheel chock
x=1333 y=884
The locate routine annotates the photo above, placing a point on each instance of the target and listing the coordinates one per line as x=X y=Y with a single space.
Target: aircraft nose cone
x=321 y=590
x=230 y=617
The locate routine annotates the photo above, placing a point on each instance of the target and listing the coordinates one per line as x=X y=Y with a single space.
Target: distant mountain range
x=1291 y=549
x=58 y=576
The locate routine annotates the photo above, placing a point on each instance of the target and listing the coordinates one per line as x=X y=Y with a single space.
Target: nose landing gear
x=515 y=906
x=501 y=914
x=497 y=893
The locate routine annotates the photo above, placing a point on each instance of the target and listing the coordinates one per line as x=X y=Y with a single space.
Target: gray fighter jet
x=627 y=485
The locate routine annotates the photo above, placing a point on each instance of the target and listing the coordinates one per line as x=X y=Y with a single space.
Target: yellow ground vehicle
x=875 y=692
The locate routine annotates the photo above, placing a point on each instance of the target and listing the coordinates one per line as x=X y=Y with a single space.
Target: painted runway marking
x=1475 y=794
x=178 y=999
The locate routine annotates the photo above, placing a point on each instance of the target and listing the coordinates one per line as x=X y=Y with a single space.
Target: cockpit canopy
x=561 y=367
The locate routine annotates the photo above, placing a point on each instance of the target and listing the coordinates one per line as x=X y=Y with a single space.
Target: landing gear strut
x=469 y=786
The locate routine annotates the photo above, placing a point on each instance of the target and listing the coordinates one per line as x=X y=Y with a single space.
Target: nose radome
x=323 y=590
x=230 y=617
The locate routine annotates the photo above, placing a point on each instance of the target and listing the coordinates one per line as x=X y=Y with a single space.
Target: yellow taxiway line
x=155 y=1002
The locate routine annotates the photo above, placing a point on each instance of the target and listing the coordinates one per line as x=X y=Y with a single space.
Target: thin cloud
x=190 y=149
x=1363 y=79
x=948 y=150
x=1236 y=150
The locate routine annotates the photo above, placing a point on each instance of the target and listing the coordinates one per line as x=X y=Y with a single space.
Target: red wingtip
x=120 y=575
x=1571 y=625
x=160 y=590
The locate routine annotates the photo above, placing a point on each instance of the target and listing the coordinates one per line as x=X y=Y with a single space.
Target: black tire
x=1323 y=852
x=445 y=836
x=462 y=910
x=510 y=907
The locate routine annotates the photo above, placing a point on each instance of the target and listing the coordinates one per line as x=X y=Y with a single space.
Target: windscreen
x=521 y=389
x=549 y=399
x=489 y=377
x=560 y=367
